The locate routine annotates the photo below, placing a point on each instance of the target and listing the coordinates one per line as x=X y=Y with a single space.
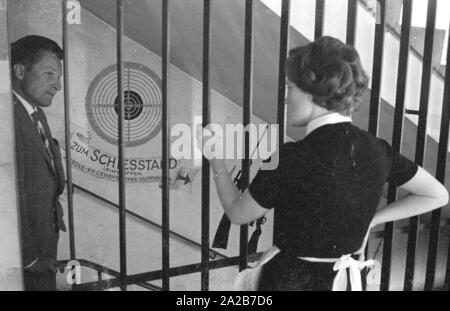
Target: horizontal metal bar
x=415 y=112
x=102 y=269
x=157 y=275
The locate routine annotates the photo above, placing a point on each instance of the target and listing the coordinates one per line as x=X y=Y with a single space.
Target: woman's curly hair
x=331 y=72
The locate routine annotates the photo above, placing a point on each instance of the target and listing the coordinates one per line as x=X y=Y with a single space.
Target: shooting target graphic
x=142 y=104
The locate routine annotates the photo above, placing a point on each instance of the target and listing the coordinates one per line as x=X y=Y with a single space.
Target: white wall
x=10 y=258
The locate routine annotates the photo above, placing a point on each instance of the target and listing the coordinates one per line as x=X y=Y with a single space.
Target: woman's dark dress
x=325 y=192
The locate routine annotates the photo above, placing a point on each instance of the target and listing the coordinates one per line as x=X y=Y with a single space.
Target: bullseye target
x=142 y=104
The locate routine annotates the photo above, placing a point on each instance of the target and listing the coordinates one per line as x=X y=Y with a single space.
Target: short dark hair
x=28 y=50
x=331 y=72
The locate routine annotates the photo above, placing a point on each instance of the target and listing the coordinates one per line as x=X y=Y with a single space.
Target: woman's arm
x=426 y=194
x=240 y=208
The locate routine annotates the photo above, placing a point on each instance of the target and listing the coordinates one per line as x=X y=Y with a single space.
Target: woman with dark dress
x=327 y=187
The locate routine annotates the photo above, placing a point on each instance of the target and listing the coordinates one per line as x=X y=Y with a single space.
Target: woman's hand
x=240 y=208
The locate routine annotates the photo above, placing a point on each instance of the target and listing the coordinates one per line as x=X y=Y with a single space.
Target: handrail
x=111 y=272
x=213 y=253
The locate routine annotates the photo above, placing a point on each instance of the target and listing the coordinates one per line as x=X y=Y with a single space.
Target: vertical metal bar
x=397 y=135
x=377 y=70
x=377 y=73
x=284 y=42
x=67 y=131
x=206 y=119
x=165 y=144
x=447 y=270
x=421 y=137
x=120 y=97
x=247 y=103
x=352 y=14
x=440 y=175
x=318 y=27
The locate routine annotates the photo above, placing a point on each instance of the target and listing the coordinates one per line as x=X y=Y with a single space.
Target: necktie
x=41 y=130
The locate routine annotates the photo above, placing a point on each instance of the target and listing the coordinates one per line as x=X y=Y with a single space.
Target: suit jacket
x=39 y=187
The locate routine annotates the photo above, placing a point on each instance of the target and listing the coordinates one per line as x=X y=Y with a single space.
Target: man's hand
x=45 y=264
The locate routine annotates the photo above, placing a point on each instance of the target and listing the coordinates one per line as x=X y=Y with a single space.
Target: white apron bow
x=341 y=265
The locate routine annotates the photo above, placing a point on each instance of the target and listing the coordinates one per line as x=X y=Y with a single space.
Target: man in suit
x=36 y=73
